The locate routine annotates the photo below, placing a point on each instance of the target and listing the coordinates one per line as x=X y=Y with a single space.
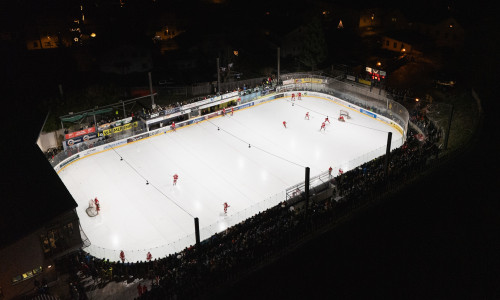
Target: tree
x=314 y=49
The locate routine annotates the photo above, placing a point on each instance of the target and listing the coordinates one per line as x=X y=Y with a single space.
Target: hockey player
x=307 y=115
x=149 y=256
x=326 y=119
x=341 y=119
x=330 y=171
x=223 y=111
x=299 y=96
x=341 y=171
x=173 y=126
x=97 y=205
x=232 y=111
x=225 y=207
x=293 y=97
x=284 y=123
x=175 y=178
x=323 y=127
x=122 y=256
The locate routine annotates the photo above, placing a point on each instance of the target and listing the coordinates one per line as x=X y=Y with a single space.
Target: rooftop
x=32 y=193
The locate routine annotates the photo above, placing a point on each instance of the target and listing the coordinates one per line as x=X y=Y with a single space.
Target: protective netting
x=91 y=211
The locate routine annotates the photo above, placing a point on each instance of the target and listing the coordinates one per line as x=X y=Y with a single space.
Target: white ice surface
x=214 y=166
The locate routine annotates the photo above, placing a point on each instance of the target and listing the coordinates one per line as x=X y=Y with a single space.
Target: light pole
x=151 y=90
x=218 y=76
x=278 y=65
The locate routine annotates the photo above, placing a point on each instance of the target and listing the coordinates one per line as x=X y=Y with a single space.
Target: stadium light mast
x=124 y=112
x=306 y=187
x=387 y=152
x=151 y=90
x=218 y=76
x=197 y=231
x=278 y=65
x=448 y=129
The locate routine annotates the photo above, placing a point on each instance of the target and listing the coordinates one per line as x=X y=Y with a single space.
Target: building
x=126 y=59
x=292 y=43
x=404 y=42
x=165 y=38
x=446 y=32
x=38 y=220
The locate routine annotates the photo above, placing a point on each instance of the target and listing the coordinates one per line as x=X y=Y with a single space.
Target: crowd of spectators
x=145 y=113
x=265 y=84
x=401 y=95
x=199 y=270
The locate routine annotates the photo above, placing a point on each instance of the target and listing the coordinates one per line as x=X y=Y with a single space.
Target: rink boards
x=214 y=167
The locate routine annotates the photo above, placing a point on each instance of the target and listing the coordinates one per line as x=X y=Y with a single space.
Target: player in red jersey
x=173 y=126
x=122 y=256
x=175 y=178
x=299 y=96
x=149 y=256
x=330 y=171
x=225 y=207
x=97 y=205
x=284 y=123
x=223 y=111
x=232 y=111
x=293 y=97
x=326 y=119
x=323 y=127
x=341 y=171
x=307 y=115
x=341 y=119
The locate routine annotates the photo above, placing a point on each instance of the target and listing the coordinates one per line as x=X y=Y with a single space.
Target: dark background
x=438 y=238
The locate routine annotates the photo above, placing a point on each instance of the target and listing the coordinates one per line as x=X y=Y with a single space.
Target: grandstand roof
x=31 y=191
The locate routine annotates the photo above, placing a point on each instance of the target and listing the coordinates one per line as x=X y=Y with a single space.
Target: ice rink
x=242 y=159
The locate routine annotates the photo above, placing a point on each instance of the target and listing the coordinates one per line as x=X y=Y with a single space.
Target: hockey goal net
x=345 y=114
x=92 y=209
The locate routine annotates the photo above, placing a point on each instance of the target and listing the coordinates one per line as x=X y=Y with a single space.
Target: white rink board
x=214 y=166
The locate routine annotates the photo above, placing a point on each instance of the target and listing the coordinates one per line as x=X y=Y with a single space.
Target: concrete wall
x=48 y=140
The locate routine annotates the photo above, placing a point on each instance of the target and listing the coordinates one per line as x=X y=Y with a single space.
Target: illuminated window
x=27 y=275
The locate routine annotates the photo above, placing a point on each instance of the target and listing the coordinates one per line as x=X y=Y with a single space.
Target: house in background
x=445 y=33
x=292 y=42
x=126 y=59
x=404 y=43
